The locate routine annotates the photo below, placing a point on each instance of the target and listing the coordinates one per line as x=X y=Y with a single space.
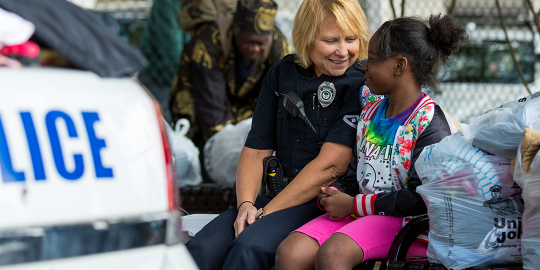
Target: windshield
x=490 y=61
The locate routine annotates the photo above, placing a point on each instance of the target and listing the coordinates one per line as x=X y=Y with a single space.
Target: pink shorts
x=374 y=234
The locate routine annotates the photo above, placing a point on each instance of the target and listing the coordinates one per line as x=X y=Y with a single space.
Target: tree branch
x=535 y=15
x=393 y=8
x=403 y=8
x=518 y=66
x=452 y=8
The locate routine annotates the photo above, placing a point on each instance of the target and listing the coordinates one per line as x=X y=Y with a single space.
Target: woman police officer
x=330 y=36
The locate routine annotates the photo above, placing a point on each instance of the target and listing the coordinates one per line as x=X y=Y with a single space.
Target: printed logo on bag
x=500 y=206
x=506 y=234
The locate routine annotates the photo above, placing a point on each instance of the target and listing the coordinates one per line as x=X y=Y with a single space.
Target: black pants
x=214 y=247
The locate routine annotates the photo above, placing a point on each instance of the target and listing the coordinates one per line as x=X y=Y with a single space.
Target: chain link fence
x=481 y=76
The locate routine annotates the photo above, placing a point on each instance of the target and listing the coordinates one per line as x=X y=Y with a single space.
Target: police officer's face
x=251 y=46
x=332 y=52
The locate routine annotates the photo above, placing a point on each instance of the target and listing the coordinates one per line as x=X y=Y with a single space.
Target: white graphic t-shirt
x=376 y=146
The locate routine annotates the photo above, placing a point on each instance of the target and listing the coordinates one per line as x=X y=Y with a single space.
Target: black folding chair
x=397 y=259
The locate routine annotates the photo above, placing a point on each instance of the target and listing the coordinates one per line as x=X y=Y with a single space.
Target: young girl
x=402 y=58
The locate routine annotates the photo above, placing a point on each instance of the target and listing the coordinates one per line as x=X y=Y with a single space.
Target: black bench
x=207 y=198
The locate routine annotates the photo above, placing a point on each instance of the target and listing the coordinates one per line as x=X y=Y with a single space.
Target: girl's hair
x=425 y=47
x=310 y=16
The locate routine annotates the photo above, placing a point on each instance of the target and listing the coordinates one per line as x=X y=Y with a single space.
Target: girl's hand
x=338 y=205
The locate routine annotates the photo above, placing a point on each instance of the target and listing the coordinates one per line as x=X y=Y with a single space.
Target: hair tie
x=245 y=202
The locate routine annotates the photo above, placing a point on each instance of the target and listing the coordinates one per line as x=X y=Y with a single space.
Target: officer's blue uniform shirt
x=295 y=143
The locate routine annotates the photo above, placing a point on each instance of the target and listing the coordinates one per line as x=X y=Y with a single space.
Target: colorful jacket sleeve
x=405 y=202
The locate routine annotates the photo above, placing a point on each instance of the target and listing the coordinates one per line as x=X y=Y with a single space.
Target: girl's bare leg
x=297 y=252
x=338 y=252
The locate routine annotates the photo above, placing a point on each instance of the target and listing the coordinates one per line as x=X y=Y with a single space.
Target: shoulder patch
x=359 y=63
x=351 y=120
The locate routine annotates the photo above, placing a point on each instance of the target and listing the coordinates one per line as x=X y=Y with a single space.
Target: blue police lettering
x=33 y=145
x=8 y=173
x=50 y=121
x=96 y=144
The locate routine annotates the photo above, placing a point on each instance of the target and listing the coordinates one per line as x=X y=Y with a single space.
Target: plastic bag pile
x=479 y=213
x=222 y=152
x=185 y=153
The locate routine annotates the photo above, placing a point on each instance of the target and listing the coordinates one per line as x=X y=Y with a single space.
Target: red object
x=172 y=190
x=28 y=49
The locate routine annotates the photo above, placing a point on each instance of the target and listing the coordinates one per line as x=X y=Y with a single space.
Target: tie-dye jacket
x=426 y=125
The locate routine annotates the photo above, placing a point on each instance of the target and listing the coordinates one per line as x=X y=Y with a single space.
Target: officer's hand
x=245 y=217
x=325 y=193
x=338 y=205
x=322 y=194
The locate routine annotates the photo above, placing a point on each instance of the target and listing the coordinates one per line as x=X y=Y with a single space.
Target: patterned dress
x=205 y=91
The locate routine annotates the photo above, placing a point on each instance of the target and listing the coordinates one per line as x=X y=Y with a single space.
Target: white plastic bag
x=186 y=155
x=222 y=152
x=474 y=206
x=530 y=181
x=500 y=130
x=464 y=235
x=530 y=239
x=456 y=168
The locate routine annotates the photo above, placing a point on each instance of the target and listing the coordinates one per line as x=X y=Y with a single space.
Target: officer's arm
x=332 y=162
x=333 y=158
x=248 y=183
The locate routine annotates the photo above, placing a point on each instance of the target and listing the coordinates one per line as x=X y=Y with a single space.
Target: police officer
x=222 y=67
x=496 y=191
x=326 y=75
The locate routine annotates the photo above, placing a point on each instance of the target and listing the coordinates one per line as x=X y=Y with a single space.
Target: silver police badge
x=326 y=93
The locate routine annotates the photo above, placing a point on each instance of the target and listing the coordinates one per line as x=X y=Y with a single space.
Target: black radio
x=273 y=181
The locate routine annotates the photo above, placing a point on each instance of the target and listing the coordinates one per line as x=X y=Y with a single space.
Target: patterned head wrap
x=255 y=16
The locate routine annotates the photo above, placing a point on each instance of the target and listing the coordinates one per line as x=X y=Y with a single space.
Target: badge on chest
x=326 y=94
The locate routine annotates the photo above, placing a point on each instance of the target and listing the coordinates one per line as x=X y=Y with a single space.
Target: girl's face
x=379 y=73
x=332 y=52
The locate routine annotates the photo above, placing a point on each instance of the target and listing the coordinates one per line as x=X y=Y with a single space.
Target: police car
x=86 y=179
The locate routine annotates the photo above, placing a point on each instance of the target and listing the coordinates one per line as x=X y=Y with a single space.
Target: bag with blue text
x=474 y=206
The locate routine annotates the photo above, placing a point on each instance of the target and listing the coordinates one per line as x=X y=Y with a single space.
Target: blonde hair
x=310 y=16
